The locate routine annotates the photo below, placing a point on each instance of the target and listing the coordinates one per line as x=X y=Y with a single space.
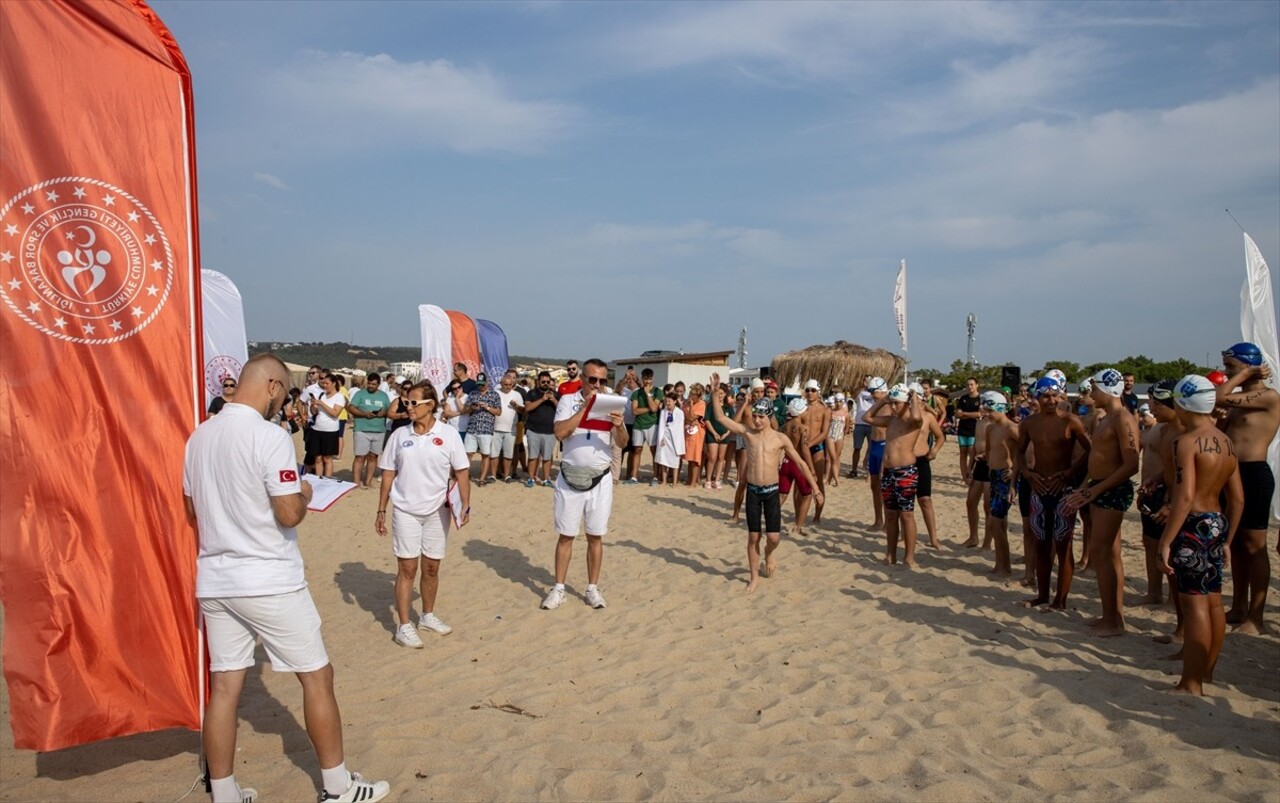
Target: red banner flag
x=99 y=353
x=466 y=344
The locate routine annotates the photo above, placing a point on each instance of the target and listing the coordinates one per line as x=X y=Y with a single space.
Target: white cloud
x=350 y=100
x=271 y=181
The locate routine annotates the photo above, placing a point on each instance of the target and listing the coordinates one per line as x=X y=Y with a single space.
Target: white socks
x=336 y=780
x=225 y=790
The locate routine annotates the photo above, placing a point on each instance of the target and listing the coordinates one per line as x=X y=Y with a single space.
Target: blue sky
x=605 y=178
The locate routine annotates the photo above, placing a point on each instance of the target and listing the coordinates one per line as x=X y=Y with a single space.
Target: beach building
x=671 y=367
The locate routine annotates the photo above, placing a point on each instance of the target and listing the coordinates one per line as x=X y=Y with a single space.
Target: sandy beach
x=838 y=679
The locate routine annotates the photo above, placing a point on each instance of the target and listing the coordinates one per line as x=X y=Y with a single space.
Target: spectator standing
x=369 y=407
x=228 y=394
x=483 y=405
x=511 y=405
x=540 y=410
x=645 y=404
x=574 y=383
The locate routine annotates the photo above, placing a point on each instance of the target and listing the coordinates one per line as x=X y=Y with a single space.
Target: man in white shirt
x=861 y=429
x=250 y=580
x=311 y=391
x=504 y=426
x=584 y=493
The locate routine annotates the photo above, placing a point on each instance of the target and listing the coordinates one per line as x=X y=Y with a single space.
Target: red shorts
x=788 y=473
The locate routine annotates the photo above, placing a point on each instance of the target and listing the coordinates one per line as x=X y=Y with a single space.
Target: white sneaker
x=431 y=622
x=554 y=600
x=407 y=637
x=595 y=599
x=360 y=791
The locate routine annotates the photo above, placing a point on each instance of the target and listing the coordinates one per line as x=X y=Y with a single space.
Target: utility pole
x=742 y=348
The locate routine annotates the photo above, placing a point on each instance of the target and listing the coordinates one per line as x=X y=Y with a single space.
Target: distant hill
x=344 y=355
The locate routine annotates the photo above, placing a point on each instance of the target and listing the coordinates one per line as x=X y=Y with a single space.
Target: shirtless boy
x=1052 y=433
x=1197 y=534
x=765 y=449
x=1253 y=415
x=789 y=473
x=875 y=451
x=979 y=478
x=743 y=417
x=928 y=444
x=1113 y=460
x=899 y=476
x=817 y=421
x=1000 y=444
x=1152 y=491
x=1090 y=415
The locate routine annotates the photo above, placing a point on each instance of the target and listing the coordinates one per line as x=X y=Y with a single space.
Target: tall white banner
x=226 y=347
x=900 y=303
x=437 y=346
x=1258 y=326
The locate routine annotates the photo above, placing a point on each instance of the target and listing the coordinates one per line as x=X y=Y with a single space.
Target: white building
x=673 y=368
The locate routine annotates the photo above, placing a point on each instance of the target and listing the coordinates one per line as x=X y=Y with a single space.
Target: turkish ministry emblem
x=83 y=260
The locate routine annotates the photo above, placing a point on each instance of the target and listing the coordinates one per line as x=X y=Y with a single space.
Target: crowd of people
x=1198 y=446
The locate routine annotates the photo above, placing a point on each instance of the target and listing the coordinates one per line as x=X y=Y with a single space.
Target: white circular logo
x=221 y=367
x=83 y=260
x=435 y=371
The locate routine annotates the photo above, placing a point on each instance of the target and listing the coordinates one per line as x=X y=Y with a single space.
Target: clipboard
x=598 y=420
x=453 y=501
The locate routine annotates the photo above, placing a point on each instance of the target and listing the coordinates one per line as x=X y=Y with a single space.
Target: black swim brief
x=764 y=501
x=816 y=448
x=1259 y=486
x=924 y=485
x=1118 y=498
x=980 y=471
x=1152 y=501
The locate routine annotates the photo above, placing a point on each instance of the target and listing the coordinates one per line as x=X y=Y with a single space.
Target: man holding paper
x=588 y=423
x=426 y=483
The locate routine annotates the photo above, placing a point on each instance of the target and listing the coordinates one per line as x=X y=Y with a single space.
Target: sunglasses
x=597 y=380
x=412 y=403
x=228 y=384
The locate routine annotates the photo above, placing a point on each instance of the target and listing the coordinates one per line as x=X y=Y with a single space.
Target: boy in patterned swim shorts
x=1197 y=534
x=899 y=477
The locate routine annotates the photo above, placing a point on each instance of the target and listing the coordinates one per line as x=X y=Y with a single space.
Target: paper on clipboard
x=325 y=491
x=599 y=409
x=454 y=501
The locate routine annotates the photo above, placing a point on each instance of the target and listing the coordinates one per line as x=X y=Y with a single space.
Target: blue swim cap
x=1045 y=384
x=1247 y=353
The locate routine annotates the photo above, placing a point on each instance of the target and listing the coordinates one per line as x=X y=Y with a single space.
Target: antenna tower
x=971 y=324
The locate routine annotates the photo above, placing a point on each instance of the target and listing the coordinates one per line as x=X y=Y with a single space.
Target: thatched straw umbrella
x=843 y=364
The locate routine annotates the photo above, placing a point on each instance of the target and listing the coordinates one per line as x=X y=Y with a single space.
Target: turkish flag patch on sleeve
x=288 y=475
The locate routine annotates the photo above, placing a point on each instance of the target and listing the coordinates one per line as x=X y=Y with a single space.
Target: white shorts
x=413 y=535
x=479 y=443
x=504 y=443
x=572 y=508
x=288 y=624
x=541 y=446
x=645 y=437
x=369 y=443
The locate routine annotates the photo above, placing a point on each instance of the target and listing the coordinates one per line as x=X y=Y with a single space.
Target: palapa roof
x=844 y=365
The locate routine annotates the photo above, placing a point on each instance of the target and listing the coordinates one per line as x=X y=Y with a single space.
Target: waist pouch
x=581 y=478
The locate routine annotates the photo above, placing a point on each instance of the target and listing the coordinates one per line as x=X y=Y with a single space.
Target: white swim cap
x=990 y=398
x=916 y=388
x=812 y=384
x=1057 y=376
x=1195 y=394
x=796 y=407
x=1086 y=385
x=899 y=393
x=875 y=383
x=1110 y=381
x=757 y=383
x=839 y=397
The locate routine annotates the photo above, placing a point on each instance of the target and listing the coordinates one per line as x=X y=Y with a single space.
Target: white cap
x=991 y=398
x=1195 y=394
x=1109 y=381
x=899 y=393
x=839 y=397
x=875 y=383
x=812 y=384
x=796 y=407
x=916 y=388
x=399 y=379
x=757 y=383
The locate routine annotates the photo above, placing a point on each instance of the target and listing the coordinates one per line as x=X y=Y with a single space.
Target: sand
x=838 y=679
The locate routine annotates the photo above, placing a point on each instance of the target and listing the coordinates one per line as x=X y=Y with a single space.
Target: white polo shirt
x=423 y=464
x=586 y=448
x=235 y=462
